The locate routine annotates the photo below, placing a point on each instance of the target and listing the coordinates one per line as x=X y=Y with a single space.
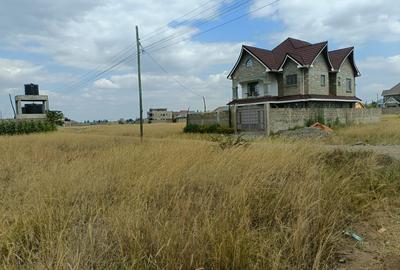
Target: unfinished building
x=31 y=105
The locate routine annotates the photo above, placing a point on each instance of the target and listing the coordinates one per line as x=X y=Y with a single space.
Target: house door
x=251 y=118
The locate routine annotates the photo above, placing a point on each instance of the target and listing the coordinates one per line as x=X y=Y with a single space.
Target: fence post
x=234 y=118
x=267 y=119
x=229 y=116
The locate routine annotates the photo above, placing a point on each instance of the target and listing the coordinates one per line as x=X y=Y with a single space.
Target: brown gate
x=251 y=118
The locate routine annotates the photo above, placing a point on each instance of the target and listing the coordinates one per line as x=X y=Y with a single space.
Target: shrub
x=15 y=127
x=215 y=128
x=229 y=141
x=55 y=117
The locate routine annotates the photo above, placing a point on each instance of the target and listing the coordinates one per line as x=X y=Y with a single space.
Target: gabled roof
x=301 y=52
x=265 y=56
x=338 y=57
x=395 y=90
x=392 y=100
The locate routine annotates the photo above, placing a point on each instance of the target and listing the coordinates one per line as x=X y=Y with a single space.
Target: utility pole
x=204 y=103
x=12 y=106
x=139 y=82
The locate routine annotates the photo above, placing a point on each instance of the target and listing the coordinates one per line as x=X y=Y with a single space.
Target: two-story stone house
x=293 y=74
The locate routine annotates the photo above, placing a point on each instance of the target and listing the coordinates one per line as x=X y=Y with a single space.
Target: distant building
x=221 y=109
x=31 y=105
x=391 y=97
x=159 y=115
x=181 y=116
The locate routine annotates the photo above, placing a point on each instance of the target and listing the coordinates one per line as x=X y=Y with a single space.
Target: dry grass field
x=97 y=198
x=385 y=132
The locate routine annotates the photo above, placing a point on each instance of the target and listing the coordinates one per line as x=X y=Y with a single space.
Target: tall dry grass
x=159 y=130
x=387 y=131
x=84 y=201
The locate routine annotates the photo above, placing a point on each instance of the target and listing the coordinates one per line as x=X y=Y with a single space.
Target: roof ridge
x=247 y=46
x=394 y=87
x=342 y=49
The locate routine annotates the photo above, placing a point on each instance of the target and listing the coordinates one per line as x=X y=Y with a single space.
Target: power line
x=93 y=78
x=226 y=10
x=176 y=81
x=166 y=71
x=159 y=30
x=114 y=59
x=123 y=58
x=87 y=77
x=215 y=27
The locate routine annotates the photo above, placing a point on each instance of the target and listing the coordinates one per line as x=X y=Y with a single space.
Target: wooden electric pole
x=139 y=82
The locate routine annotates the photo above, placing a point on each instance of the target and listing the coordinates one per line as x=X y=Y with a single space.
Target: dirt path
x=380 y=249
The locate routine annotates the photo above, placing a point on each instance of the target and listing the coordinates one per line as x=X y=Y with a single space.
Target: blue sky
x=53 y=43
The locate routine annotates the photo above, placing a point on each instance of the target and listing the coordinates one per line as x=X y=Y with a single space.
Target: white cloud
x=344 y=21
x=105 y=84
x=87 y=34
x=84 y=35
x=378 y=73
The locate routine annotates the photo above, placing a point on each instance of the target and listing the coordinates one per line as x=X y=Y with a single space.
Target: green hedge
x=192 y=128
x=15 y=127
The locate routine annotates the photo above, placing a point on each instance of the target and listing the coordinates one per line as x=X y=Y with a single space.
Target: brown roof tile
x=338 y=56
x=303 y=52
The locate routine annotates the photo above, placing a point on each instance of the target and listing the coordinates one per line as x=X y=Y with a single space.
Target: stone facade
x=267 y=83
x=256 y=73
x=288 y=118
x=346 y=72
x=274 y=120
x=290 y=68
x=316 y=79
x=319 y=68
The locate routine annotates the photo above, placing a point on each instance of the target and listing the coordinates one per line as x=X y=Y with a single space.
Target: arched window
x=249 y=62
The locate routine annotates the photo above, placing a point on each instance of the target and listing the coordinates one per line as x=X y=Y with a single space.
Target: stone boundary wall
x=289 y=118
x=209 y=118
x=393 y=110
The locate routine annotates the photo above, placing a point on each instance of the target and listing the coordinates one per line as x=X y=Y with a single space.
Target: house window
x=291 y=79
x=348 y=85
x=339 y=82
x=252 y=89
x=323 y=82
x=249 y=62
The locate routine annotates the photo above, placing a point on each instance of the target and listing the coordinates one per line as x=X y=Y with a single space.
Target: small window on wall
x=291 y=79
x=323 y=82
x=348 y=85
x=339 y=81
x=249 y=62
x=252 y=89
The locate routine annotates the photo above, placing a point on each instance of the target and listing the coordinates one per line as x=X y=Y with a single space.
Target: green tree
x=55 y=118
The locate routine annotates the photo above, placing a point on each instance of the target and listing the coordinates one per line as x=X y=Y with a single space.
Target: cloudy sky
x=63 y=45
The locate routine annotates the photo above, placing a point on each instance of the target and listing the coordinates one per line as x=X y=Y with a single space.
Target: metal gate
x=251 y=118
